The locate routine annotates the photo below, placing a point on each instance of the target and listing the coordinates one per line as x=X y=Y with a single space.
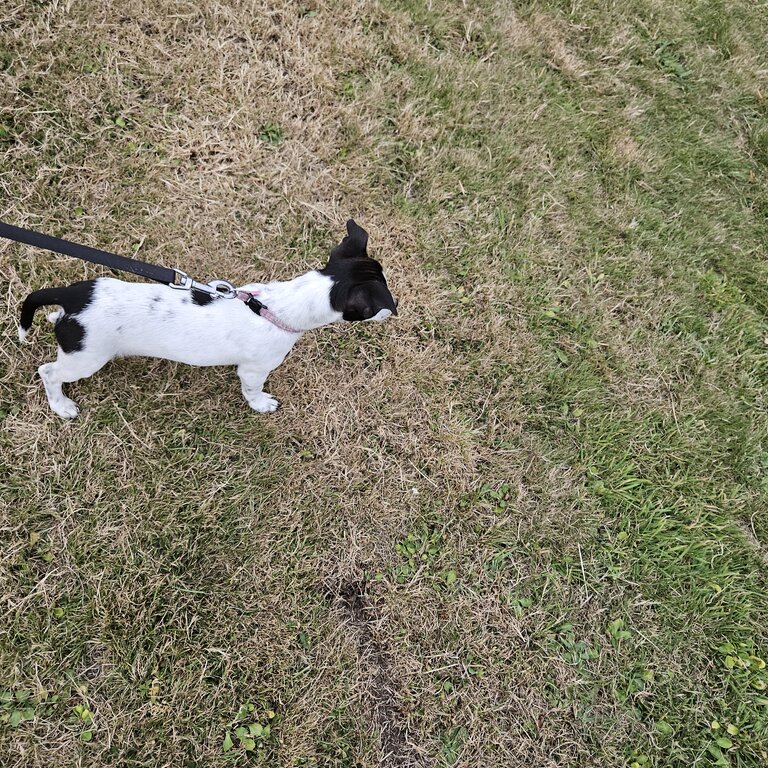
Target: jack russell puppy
x=99 y=320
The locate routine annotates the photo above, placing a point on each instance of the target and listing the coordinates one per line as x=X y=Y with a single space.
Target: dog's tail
x=71 y=299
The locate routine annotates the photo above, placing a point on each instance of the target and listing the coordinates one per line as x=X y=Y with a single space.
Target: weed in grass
x=17 y=707
x=249 y=735
x=419 y=550
x=452 y=742
x=271 y=133
x=670 y=61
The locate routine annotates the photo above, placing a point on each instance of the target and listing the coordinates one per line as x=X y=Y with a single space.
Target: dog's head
x=359 y=290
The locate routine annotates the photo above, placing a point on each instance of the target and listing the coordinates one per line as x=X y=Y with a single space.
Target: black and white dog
x=101 y=319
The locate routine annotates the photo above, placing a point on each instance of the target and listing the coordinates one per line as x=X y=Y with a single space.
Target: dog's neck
x=303 y=303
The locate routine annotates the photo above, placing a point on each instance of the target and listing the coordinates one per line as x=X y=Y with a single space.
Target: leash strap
x=174 y=278
x=94 y=255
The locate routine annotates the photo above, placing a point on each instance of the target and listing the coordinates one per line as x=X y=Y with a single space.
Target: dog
x=99 y=320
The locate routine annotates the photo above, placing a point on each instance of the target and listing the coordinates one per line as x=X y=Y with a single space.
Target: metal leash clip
x=222 y=289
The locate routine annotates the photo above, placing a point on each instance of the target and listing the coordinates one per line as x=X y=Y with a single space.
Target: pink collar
x=265 y=312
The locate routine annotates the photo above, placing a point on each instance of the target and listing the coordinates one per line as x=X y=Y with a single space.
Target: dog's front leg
x=252 y=379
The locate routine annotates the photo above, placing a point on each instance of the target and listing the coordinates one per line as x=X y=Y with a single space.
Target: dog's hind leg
x=252 y=379
x=69 y=366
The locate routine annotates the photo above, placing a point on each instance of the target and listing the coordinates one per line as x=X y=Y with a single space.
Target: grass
x=525 y=524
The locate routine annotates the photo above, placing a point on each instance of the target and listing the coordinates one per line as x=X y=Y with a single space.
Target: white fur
x=380 y=316
x=157 y=321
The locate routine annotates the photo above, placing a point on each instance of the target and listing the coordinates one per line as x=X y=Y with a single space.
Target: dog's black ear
x=354 y=244
x=357 y=235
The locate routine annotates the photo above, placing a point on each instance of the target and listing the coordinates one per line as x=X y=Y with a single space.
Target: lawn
x=524 y=524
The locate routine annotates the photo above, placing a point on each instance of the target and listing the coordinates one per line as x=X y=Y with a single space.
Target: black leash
x=174 y=278
x=84 y=252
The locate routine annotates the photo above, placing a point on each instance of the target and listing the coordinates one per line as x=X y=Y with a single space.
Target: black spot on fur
x=201 y=298
x=70 y=334
x=359 y=289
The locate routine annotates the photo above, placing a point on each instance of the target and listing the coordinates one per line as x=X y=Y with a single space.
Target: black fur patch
x=73 y=298
x=201 y=298
x=359 y=289
x=70 y=334
x=78 y=297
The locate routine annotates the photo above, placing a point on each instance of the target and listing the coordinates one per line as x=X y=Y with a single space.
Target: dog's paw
x=65 y=408
x=264 y=403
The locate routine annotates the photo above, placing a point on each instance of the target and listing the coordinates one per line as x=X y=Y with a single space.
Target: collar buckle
x=255 y=305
